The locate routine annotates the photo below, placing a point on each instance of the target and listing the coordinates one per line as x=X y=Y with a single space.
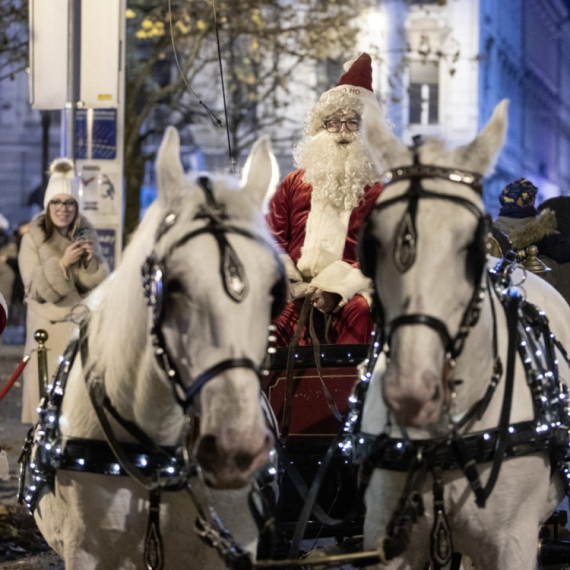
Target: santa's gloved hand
x=296 y=290
x=324 y=301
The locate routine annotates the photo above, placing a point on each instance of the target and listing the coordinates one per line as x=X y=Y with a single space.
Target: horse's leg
x=381 y=498
x=504 y=535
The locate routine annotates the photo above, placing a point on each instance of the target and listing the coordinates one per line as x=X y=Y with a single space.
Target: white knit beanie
x=62 y=180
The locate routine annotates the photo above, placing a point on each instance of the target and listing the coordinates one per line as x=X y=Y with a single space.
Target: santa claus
x=316 y=213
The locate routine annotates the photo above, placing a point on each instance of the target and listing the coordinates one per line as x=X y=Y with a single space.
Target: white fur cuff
x=344 y=279
x=291 y=271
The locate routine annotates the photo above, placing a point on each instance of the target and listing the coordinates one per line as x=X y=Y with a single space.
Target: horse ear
x=384 y=149
x=482 y=153
x=169 y=171
x=261 y=172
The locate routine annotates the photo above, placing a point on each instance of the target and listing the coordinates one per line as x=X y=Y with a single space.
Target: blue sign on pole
x=104 y=134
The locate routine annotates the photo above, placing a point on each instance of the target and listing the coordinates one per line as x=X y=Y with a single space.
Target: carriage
x=123 y=513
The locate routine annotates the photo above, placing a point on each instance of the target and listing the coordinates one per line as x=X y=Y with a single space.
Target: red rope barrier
x=14 y=376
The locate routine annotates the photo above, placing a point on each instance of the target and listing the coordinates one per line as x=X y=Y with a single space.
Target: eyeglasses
x=335 y=125
x=67 y=204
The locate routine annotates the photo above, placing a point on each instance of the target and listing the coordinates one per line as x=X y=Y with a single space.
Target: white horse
x=427 y=271
x=99 y=522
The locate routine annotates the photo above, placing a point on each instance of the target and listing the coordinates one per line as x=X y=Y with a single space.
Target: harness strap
x=420 y=319
x=132 y=428
x=289 y=384
x=511 y=311
x=317 y=354
x=441 y=543
x=310 y=501
x=97 y=395
x=301 y=487
x=216 y=370
x=153 y=551
x=410 y=508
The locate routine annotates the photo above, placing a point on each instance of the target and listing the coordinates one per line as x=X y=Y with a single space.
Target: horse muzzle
x=232 y=466
x=415 y=401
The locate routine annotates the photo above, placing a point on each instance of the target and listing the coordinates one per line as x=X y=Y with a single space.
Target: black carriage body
x=313 y=428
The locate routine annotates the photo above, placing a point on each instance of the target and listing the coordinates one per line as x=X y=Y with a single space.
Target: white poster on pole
x=48 y=53
x=100 y=53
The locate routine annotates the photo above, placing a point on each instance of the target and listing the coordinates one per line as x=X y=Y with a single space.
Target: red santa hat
x=3 y=313
x=354 y=89
x=358 y=73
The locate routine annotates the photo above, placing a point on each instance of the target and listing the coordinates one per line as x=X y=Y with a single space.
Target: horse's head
x=424 y=246
x=214 y=281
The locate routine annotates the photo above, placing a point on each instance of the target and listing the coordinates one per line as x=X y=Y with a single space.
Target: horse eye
x=174 y=286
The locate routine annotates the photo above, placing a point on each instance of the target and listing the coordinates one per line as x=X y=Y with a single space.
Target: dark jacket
x=539 y=230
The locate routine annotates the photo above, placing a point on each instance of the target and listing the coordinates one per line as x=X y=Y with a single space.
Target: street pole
x=73 y=78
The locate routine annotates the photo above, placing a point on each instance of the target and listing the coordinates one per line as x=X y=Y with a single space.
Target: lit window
x=424 y=93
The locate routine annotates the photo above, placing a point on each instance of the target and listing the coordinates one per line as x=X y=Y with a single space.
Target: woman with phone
x=60 y=261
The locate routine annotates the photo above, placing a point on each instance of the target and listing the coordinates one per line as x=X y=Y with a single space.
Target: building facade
x=441 y=66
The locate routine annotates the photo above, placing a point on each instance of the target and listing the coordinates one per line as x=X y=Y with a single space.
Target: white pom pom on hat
x=62 y=180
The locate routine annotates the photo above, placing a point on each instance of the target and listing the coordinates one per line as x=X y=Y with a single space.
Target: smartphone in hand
x=80 y=234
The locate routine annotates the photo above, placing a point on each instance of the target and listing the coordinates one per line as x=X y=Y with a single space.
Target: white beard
x=337 y=172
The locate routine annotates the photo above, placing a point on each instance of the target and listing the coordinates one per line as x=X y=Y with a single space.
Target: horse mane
x=119 y=321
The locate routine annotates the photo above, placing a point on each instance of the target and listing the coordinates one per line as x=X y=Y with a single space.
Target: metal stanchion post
x=41 y=336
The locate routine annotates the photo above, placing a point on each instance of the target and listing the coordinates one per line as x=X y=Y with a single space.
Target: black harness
x=528 y=329
x=154 y=467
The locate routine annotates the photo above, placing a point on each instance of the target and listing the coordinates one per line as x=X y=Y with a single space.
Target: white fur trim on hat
x=4 y=223
x=62 y=180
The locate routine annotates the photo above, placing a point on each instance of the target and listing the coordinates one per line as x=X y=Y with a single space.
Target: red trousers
x=352 y=325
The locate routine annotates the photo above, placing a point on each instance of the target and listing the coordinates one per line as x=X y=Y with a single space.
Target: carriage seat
x=311 y=419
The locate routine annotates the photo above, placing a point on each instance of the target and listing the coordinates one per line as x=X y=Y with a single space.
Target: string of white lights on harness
x=45 y=451
x=551 y=424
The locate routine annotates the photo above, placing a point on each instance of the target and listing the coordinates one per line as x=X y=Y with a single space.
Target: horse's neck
x=121 y=356
x=147 y=399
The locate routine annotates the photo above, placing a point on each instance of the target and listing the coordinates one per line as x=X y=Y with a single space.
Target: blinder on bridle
x=405 y=246
x=234 y=280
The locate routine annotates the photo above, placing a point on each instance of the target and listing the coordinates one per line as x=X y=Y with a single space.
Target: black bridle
x=405 y=247
x=234 y=280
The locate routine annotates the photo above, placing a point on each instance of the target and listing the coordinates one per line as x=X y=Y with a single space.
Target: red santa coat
x=320 y=250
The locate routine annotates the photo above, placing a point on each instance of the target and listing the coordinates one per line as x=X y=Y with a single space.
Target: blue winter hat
x=520 y=192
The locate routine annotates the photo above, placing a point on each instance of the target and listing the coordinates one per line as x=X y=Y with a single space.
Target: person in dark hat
x=525 y=225
x=561 y=208
x=560 y=205
x=317 y=211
